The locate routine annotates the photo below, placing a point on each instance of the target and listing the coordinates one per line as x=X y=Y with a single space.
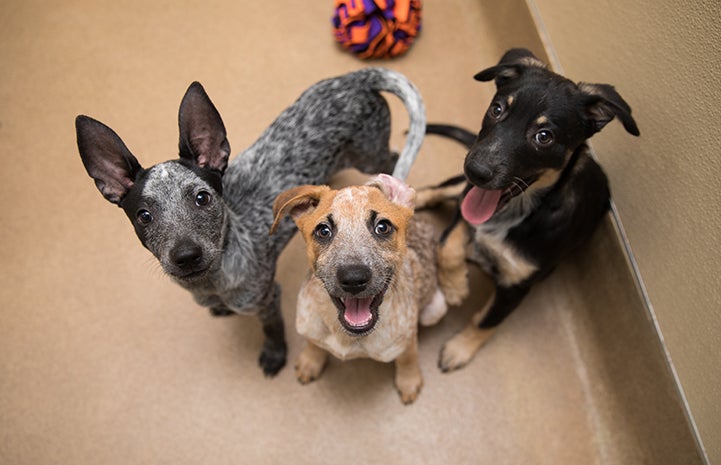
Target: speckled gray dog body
x=207 y=221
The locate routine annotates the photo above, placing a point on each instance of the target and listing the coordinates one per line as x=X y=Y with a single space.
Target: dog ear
x=203 y=138
x=106 y=158
x=296 y=202
x=510 y=67
x=603 y=103
x=395 y=190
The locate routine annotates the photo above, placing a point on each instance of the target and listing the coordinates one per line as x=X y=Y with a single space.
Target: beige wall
x=664 y=57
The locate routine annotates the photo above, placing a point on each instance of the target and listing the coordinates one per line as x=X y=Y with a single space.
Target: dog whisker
x=155 y=269
x=521 y=182
x=391 y=284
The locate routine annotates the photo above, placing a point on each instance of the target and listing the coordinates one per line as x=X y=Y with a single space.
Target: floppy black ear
x=510 y=67
x=106 y=158
x=603 y=103
x=202 y=133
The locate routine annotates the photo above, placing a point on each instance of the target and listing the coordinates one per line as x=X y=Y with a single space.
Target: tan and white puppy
x=373 y=277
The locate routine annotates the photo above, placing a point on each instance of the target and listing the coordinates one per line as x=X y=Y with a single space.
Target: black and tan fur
x=547 y=194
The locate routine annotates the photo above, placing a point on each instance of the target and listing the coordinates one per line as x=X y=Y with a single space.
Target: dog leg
x=310 y=363
x=430 y=197
x=461 y=348
x=409 y=379
x=452 y=266
x=273 y=356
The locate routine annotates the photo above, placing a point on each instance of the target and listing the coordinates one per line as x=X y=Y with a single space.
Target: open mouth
x=479 y=204
x=358 y=315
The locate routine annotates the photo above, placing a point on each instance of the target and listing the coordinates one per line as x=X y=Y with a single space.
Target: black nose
x=186 y=255
x=354 y=278
x=477 y=172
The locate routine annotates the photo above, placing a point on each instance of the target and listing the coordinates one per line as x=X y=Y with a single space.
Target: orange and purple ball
x=376 y=28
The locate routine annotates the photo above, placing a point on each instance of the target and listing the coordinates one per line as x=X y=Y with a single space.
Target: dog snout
x=478 y=172
x=187 y=255
x=354 y=278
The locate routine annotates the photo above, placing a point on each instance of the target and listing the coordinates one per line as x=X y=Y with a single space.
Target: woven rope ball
x=376 y=28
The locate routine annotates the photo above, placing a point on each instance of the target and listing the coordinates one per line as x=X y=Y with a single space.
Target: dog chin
x=189 y=278
x=358 y=315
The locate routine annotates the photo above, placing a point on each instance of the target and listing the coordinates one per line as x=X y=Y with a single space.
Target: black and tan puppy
x=534 y=192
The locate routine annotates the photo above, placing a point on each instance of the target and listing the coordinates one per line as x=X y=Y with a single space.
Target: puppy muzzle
x=357 y=296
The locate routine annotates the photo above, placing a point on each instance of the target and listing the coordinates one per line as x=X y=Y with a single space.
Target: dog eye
x=496 y=110
x=202 y=199
x=144 y=217
x=323 y=231
x=544 y=137
x=383 y=228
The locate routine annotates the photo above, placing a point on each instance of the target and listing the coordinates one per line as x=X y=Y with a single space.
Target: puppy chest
x=500 y=259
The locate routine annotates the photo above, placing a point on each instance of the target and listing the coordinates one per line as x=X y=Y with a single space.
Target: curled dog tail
x=383 y=79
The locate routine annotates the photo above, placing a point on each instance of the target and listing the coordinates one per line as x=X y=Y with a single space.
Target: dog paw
x=454 y=283
x=272 y=360
x=460 y=349
x=307 y=373
x=456 y=295
x=310 y=364
x=409 y=387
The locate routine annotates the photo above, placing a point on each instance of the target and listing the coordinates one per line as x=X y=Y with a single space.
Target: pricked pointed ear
x=603 y=103
x=510 y=67
x=296 y=202
x=395 y=190
x=106 y=158
x=203 y=139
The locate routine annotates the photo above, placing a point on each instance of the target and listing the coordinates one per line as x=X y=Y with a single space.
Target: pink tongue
x=479 y=205
x=357 y=311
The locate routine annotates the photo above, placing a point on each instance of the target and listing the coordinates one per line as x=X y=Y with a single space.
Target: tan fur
x=460 y=349
x=532 y=61
x=413 y=291
x=547 y=179
x=310 y=363
x=452 y=265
